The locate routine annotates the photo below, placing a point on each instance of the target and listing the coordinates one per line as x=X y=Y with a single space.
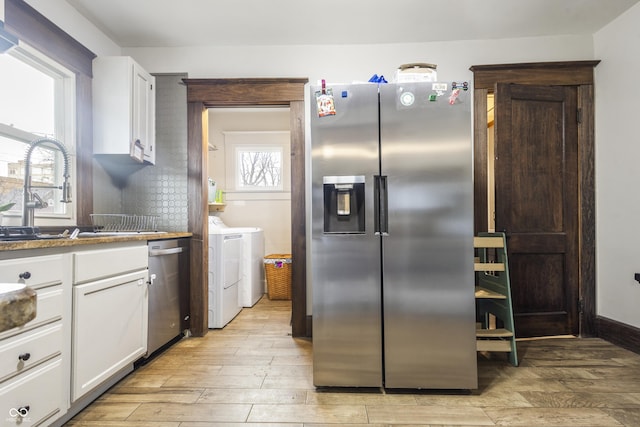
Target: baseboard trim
x=618 y=333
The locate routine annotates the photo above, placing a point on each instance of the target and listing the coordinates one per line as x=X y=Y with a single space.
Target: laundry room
x=249 y=194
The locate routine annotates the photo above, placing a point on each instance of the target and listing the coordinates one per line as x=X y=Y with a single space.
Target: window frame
x=64 y=129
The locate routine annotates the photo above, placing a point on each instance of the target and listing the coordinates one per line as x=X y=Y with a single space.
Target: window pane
x=11 y=152
x=44 y=172
x=27 y=100
x=260 y=169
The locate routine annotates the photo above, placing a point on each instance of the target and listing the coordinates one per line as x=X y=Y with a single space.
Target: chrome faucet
x=31 y=200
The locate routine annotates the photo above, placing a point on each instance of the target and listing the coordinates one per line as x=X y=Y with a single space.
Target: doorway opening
x=491 y=155
x=203 y=94
x=533 y=174
x=249 y=165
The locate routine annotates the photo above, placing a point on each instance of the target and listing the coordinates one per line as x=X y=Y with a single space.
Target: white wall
x=347 y=63
x=618 y=168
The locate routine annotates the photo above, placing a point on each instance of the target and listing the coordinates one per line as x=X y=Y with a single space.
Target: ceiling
x=169 y=23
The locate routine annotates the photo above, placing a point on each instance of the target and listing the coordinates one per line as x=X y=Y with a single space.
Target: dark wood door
x=536 y=173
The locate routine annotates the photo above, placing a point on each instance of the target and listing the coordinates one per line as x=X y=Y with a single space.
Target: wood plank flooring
x=252 y=373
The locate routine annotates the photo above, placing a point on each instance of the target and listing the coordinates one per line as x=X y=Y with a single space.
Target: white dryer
x=225 y=276
x=252 y=285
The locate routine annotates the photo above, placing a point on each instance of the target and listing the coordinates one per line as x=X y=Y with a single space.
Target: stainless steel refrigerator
x=392 y=236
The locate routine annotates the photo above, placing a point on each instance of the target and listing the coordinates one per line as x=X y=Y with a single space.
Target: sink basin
x=17 y=305
x=49 y=236
x=31 y=237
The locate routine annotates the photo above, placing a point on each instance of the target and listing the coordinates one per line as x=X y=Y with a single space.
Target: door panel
x=542 y=269
x=428 y=303
x=347 y=286
x=536 y=203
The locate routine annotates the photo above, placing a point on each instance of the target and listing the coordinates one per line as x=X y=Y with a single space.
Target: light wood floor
x=253 y=373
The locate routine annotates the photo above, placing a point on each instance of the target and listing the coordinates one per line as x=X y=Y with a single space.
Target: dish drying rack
x=123 y=222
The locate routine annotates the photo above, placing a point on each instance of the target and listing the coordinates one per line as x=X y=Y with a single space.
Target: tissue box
x=418 y=72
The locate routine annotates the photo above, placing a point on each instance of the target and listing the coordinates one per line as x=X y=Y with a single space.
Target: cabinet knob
x=24 y=357
x=21 y=412
x=26 y=275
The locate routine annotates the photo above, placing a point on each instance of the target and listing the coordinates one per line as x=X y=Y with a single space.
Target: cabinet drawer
x=20 y=353
x=39 y=389
x=50 y=307
x=35 y=271
x=101 y=263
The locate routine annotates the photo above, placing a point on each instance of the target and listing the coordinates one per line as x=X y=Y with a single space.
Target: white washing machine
x=252 y=286
x=225 y=276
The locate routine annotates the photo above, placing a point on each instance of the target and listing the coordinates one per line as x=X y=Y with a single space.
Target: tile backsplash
x=159 y=189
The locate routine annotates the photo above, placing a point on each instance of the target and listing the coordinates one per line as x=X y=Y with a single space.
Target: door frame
x=571 y=73
x=203 y=94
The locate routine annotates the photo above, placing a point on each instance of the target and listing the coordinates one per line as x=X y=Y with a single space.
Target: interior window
x=37 y=101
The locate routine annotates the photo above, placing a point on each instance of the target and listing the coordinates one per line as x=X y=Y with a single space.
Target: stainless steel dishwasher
x=164 y=293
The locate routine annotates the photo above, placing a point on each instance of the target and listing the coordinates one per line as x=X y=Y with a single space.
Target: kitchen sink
x=33 y=237
x=13 y=233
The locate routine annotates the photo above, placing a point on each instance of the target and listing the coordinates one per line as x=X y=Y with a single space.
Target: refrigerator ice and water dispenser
x=343 y=204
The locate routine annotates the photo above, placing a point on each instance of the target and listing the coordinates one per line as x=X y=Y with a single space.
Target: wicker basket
x=277 y=269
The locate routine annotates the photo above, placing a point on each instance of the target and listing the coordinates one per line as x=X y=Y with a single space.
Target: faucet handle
x=66 y=191
x=39 y=203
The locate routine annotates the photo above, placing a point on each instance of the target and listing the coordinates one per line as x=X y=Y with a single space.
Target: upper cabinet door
x=123 y=109
x=143 y=120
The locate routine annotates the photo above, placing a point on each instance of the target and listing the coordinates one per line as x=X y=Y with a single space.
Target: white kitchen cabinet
x=110 y=314
x=90 y=328
x=35 y=360
x=123 y=108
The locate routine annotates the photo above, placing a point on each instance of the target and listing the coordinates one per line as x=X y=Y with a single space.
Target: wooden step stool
x=493 y=296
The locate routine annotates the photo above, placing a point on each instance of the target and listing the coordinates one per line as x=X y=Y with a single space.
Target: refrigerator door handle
x=380 y=205
x=376 y=204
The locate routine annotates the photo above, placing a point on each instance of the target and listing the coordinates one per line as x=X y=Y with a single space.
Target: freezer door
x=345 y=253
x=428 y=295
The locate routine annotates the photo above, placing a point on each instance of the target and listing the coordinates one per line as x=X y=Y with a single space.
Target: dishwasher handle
x=161 y=252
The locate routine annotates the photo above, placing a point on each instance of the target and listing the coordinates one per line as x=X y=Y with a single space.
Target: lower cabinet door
x=33 y=397
x=109 y=328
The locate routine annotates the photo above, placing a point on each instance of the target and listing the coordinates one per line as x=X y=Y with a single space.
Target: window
x=257 y=161
x=258 y=168
x=37 y=101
